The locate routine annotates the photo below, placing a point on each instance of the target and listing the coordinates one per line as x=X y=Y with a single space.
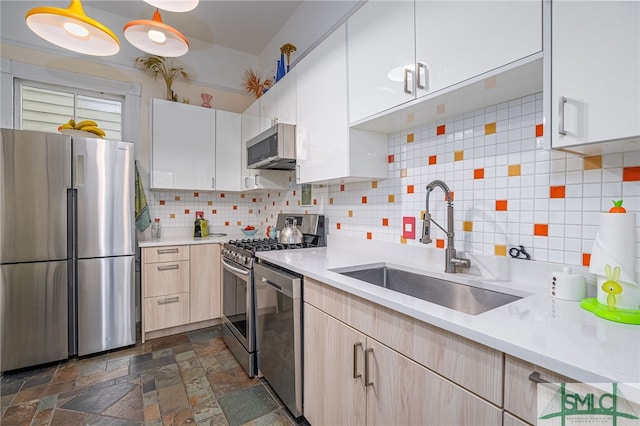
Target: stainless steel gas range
x=254 y=309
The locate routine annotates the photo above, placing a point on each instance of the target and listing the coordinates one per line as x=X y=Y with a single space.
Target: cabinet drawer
x=476 y=367
x=166 y=278
x=165 y=254
x=166 y=311
x=520 y=394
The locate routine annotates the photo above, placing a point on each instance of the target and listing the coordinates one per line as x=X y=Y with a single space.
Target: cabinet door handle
x=167 y=251
x=536 y=378
x=561 y=104
x=367 y=383
x=419 y=83
x=255 y=181
x=168 y=267
x=355 y=360
x=246 y=182
x=298 y=177
x=168 y=300
x=213 y=183
x=407 y=71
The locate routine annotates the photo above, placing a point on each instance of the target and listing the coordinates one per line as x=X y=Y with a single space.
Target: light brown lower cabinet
x=204 y=282
x=352 y=379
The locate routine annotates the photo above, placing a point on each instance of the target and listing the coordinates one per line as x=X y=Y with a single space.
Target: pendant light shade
x=72 y=29
x=156 y=37
x=174 y=5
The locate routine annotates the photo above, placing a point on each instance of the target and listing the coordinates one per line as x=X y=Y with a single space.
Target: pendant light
x=72 y=29
x=174 y=5
x=156 y=37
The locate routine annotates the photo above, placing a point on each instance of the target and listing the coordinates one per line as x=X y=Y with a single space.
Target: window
x=44 y=107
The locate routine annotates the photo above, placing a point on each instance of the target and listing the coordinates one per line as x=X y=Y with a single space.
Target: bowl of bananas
x=85 y=128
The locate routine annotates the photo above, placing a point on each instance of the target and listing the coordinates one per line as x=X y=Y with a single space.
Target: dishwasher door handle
x=271 y=283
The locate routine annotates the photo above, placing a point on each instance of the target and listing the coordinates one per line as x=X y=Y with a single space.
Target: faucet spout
x=451 y=261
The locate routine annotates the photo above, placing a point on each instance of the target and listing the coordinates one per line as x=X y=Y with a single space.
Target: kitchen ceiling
x=247 y=26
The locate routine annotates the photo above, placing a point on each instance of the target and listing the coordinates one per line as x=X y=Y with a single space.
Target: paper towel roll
x=615 y=245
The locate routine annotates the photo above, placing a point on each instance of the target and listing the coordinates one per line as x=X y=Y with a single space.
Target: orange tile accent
x=539 y=130
x=369 y=236
x=187 y=211
x=338 y=225
x=409 y=189
x=403 y=240
x=364 y=199
x=403 y=173
x=172 y=216
x=341 y=188
x=458 y=155
x=557 y=191
x=467 y=226
x=541 y=229
x=238 y=223
x=478 y=174
x=390 y=158
x=501 y=205
x=242 y=195
x=350 y=213
x=500 y=250
x=630 y=174
x=226 y=224
x=250 y=211
x=489 y=128
x=391 y=198
x=433 y=159
x=410 y=138
x=439 y=243
x=330 y=201
x=440 y=130
x=374 y=184
x=176 y=198
x=385 y=221
x=162 y=202
x=586 y=259
x=592 y=163
x=209 y=203
x=196 y=194
x=514 y=169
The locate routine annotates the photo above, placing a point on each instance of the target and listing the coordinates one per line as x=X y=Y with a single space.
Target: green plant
x=159 y=65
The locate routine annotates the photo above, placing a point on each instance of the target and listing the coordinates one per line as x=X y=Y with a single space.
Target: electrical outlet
x=409 y=227
x=200 y=215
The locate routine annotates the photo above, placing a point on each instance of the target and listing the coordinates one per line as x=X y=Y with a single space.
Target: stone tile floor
x=189 y=378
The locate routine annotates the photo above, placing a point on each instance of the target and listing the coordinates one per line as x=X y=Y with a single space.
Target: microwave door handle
x=263 y=162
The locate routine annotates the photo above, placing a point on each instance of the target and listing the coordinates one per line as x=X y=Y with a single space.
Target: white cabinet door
x=268 y=108
x=381 y=47
x=286 y=105
x=183 y=141
x=461 y=39
x=228 y=151
x=595 y=68
x=322 y=138
x=250 y=128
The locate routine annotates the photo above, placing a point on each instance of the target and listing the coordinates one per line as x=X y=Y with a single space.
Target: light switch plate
x=409 y=227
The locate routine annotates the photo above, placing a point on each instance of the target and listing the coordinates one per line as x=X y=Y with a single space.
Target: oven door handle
x=234 y=269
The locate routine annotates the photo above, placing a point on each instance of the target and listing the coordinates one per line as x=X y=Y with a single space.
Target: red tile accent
x=364 y=200
x=630 y=174
x=287 y=202
x=196 y=194
x=478 y=174
x=214 y=211
x=557 y=191
x=439 y=243
x=315 y=202
x=369 y=236
x=440 y=130
x=501 y=205
x=541 y=229
x=235 y=207
x=187 y=211
x=390 y=158
x=162 y=202
x=294 y=192
x=586 y=259
x=410 y=189
x=338 y=225
x=539 y=130
x=254 y=200
x=385 y=221
x=222 y=195
x=433 y=159
x=341 y=188
x=226 y=224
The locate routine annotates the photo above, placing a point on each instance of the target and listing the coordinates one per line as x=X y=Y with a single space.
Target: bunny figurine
x=611 y=286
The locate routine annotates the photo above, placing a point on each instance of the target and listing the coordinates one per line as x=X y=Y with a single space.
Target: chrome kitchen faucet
x=451 y=261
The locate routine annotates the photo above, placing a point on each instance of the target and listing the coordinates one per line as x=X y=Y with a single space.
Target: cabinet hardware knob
x=367 y=382
x=355 y=360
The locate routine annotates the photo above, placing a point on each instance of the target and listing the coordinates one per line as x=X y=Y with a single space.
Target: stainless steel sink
x=463 y=298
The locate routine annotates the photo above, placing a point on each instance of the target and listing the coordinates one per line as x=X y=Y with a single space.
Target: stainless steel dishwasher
x=279 y=332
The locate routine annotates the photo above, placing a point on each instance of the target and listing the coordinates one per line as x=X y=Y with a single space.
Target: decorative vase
x=206 y=98
x=280 y=73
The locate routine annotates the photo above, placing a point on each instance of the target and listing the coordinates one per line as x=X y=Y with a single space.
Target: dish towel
x=143 y=218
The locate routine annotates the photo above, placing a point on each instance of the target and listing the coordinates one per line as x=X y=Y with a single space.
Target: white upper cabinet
x=402 y=50
x=279 y=103
x=228 y=151
x=326 y=149
x=183 y=146
x=457 y=40
x=595 y=74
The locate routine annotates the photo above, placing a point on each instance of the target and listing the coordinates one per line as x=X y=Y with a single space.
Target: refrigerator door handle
x=80 y=163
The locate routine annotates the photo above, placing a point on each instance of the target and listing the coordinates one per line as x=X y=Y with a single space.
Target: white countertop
x=179 y=236
x=555 y=334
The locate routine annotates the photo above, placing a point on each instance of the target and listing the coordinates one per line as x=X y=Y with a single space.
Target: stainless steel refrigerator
x=67 y=246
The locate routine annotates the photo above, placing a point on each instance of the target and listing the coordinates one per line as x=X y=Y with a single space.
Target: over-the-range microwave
x=274 y=149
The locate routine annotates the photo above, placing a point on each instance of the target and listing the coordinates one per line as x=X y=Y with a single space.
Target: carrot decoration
x=617 y=207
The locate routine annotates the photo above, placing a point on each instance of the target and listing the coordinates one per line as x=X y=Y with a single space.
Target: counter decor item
x=85 y=128
x=568 y=286
x=287 y=49
x=613 y=262
x=249 y=230
x=280 y=72
x=159 y=65
x=253 y=83
x=206 y=100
